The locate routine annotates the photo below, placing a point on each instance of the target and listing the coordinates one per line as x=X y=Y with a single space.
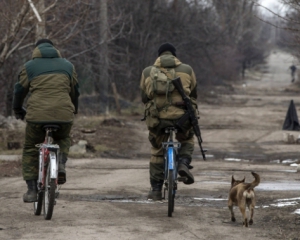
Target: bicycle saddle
x=52 y=126
x=168 y=129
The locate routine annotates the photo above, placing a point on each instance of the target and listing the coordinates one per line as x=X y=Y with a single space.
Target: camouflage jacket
x=51 y=82
x=188 y=79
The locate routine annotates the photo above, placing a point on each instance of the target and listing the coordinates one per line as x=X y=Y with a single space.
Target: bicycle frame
x=48 y=173
x=171 y=148
x=170 y=174
x=46 y=149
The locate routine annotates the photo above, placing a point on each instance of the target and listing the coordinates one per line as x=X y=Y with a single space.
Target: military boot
x=62 y=176
x=155 y=193
x=31 y=194
x=183 y=170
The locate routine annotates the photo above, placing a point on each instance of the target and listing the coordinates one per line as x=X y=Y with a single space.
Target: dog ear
x=232 y=180
x=243 y=179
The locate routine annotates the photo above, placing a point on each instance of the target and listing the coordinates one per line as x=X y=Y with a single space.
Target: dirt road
x=106 y=198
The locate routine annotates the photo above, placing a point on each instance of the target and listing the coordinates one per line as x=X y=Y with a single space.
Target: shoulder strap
x=165 y=71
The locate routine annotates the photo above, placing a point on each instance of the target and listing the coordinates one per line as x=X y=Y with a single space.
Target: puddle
x=265 y=186
x=279 y=186
x=235 y=160
x=287 y=199
x=283 y=204
x=200 y=156
x=286 y=202
x=189 y=200
x=275 y=161
x=297 y=211
x=211 y=199
x=136 y=201
x=213 y=182
x=180 y=200
x=210 y=173
x=289 y=171
x=289 y=161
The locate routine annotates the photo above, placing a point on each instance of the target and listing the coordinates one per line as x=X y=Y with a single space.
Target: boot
x=62 y=176
x=31 y=194
x=183 y=170
x=155 y=193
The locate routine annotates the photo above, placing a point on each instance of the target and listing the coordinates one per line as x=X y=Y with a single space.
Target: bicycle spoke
x=170 y=193
x=37 y=206
x=49 y=195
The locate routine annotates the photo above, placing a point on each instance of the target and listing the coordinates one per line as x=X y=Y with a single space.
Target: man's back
x=52 y=83
x=184 y=71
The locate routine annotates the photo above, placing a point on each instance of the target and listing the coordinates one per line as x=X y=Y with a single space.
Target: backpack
x=160 y=82
x=157 y=85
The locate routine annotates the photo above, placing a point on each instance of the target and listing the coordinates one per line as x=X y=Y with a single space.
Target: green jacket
x=51 y=82
x=188 y=79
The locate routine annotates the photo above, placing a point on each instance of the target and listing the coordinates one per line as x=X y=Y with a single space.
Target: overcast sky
x=273 y=5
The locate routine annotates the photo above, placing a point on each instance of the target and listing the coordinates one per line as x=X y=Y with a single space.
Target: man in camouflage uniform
x=167 y=115
x=51 y=82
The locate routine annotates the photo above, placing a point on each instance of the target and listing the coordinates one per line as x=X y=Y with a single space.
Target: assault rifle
x=189 y=115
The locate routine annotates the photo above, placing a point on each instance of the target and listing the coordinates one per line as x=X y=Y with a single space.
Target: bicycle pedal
x=56 y=194
x=182 y=179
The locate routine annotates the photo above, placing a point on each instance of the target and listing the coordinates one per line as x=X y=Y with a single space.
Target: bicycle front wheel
x=171 y=193
x=49 y=195
x=37 y=206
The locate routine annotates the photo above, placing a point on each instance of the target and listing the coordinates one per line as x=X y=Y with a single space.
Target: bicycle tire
x=49 y=195
x=170 y=193
x=37 y=206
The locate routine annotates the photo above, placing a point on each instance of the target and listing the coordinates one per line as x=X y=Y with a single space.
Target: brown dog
x=242 y=195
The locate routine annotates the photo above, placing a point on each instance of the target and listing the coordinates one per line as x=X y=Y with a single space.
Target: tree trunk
x=40 y=26
x=116 y=96
x=9 y=99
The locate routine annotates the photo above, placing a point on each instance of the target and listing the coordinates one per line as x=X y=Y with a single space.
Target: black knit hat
x=167 y=47
x=43 y=40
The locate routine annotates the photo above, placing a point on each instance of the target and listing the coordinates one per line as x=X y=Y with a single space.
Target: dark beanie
x=43 y=40
x=167 y=47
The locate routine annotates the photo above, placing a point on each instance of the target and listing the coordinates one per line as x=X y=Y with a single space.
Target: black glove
x=20 y=113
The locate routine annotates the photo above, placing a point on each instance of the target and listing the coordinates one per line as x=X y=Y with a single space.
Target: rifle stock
x=190 y=114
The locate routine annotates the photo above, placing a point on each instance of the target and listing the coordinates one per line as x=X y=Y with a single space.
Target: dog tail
x=255 y=182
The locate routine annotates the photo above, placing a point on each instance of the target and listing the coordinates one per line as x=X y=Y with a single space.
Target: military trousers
x=35 y=134
x=157 y=135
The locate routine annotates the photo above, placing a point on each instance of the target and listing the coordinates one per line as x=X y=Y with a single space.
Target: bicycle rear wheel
x=171 y=193
x=49 y=195
x=37 y=206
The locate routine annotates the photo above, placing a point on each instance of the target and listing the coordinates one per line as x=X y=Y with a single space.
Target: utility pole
x=104 y=52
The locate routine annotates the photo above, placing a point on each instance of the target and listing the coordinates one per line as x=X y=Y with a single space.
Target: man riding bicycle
x=51 y=82
x=163 y=107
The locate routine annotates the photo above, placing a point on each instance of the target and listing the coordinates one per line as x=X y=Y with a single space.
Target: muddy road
x=105 y=198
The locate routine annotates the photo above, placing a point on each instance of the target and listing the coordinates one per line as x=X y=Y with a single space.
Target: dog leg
x=243 y=211
x=230 y=206
x=251 y=208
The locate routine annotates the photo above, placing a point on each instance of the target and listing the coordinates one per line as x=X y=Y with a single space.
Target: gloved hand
x=20 y=113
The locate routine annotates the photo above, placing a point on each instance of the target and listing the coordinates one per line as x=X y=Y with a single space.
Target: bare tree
x=18 y=38
x=111 y=41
